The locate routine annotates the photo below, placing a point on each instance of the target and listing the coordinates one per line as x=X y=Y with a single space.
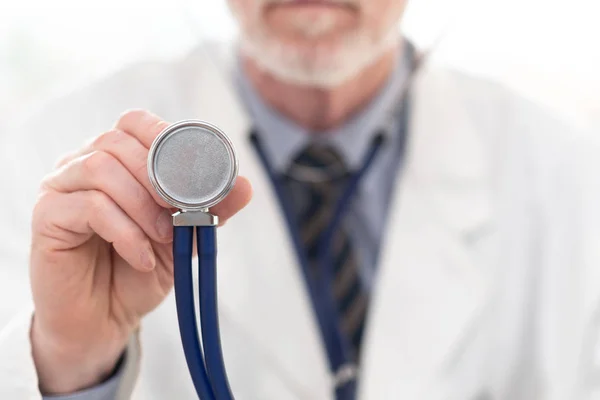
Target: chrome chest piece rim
x=192 y=165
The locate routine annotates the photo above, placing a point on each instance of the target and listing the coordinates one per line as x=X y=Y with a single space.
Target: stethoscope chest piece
x=192 y=165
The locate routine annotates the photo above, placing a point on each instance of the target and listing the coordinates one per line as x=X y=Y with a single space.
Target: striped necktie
x=314 y=204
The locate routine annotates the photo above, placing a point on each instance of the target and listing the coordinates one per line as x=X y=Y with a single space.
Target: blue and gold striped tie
x=314 y=204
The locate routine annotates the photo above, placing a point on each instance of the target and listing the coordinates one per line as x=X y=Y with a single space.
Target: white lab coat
x=489 y=281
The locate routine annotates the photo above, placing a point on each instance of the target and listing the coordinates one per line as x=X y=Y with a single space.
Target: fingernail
x=164 y=225
x=148 y=259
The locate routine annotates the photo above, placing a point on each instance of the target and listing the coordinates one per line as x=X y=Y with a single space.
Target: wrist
x=64 y=366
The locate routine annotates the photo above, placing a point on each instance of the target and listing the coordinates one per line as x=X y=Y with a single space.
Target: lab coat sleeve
x=18 y=376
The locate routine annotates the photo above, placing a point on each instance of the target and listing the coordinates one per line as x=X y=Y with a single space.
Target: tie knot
x=318 y=163
x=319 y=156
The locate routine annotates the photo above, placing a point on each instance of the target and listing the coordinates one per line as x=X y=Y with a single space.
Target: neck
x=320 y=109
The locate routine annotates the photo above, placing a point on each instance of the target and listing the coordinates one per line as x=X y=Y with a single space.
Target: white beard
x=316 y=67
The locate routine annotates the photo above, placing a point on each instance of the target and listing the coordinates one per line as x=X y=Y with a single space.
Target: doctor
x=466 y=267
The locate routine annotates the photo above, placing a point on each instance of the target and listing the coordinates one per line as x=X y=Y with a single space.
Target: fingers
x=128 y=143
x=142 y=125
x=72 y=218
x=103 y=172
x=139 y=124
x=128 y=150
x=237 y=199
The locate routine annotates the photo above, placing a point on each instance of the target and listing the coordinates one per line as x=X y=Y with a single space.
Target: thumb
x=237 y=199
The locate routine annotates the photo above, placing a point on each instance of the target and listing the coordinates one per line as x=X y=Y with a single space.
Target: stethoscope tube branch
x=183 y=242
x=209 y=316
x=207 y=367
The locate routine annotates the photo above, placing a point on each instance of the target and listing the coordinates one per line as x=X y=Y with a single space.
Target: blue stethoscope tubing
x=208 y=369
x=336 y=344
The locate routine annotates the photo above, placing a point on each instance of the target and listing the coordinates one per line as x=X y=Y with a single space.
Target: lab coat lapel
x=430 y=288
x=260 y=284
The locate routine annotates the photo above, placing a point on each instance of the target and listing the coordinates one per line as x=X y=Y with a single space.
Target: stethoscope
x=193 y=166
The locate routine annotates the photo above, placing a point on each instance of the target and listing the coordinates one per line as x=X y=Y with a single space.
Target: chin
x=318 y=62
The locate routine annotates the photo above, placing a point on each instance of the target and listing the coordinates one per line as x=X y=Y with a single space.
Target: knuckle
x=43 y=212
x=108 y=139
x=42 y=203
x=46 y=184
x=132 y=236
x=142 y=199
x=98 y=162
x=141 y=196
x=158 y=126
x=98 y=202
x=141 y=169
x=132 y=115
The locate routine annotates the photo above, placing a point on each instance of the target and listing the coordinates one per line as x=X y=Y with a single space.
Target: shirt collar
x=283 y=138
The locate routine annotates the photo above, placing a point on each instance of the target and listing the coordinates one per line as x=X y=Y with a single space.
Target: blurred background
x=546 y=49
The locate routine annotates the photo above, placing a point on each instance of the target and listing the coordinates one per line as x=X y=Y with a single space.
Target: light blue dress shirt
x=105 y=391
x=283 y=140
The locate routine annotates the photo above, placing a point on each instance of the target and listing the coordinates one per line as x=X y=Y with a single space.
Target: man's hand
x=101 y=254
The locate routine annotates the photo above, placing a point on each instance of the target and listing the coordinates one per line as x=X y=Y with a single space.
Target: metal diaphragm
x=192 y=165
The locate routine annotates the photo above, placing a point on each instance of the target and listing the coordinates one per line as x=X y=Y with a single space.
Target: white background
x=547 y=49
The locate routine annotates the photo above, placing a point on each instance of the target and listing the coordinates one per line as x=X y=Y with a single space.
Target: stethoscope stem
x=206 y=368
